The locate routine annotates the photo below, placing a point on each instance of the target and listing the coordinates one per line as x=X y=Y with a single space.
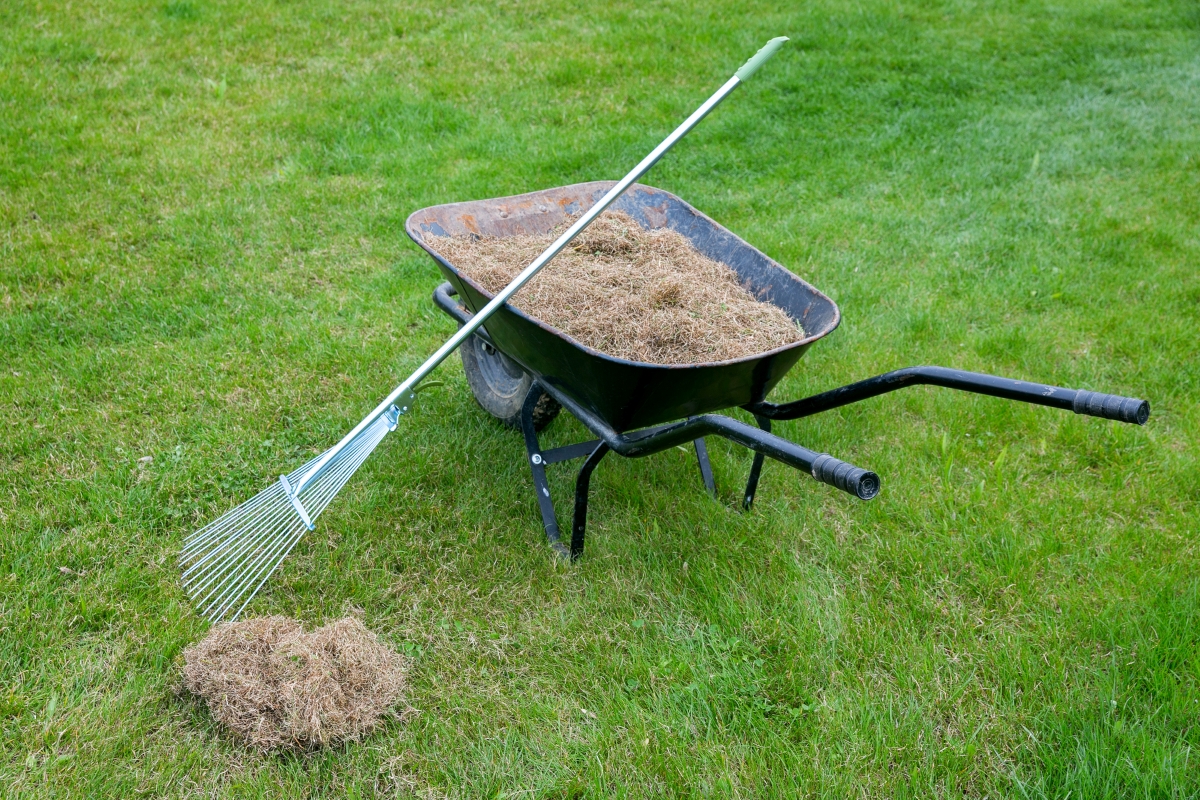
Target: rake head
x=226 y=562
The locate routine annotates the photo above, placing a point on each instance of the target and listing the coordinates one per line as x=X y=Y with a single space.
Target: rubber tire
x=500 y=385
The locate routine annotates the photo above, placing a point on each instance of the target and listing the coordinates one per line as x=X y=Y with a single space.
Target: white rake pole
x=254 y=538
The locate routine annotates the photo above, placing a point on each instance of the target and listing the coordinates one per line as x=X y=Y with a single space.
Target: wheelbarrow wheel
x=500 y=385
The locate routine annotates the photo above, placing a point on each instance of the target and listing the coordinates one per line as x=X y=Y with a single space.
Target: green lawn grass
x=204 y=279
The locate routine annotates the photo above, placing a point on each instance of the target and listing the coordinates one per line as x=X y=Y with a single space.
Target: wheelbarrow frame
x=823 y=467
x=636 y=409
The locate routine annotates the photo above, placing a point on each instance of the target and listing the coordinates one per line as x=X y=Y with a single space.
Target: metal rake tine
x=230 y=553
x=220 y=604
x=223 y=578
x=228 y=576
x=315 y=499
x=246 y=537
x=229 y=519
x=234 y=584
x=341 y=480
x=238 y=542
x=307 y=464
x=215 y=560
x=329 y=484
x=266 y=577
x=218 y=573
x=253 y=568
x=351 y=449
x=232 y=581
x=339 y=474
x=331 y=489
x=226 y=564
x=265 y=568
x=221 y=522
x=233 y=513
x=199 y=557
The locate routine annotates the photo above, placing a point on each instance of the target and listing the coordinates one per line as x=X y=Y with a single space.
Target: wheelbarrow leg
x=755 y=468
x=537 y=465
x=582 y=483
x=706 y=473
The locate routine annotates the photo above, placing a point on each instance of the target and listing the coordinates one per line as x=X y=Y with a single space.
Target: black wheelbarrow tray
x=522 y=370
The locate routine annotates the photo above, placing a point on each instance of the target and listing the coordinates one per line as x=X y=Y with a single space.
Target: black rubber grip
x=861 y=483
x=1112 y=406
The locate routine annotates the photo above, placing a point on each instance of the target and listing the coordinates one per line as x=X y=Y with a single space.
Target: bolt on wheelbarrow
x=523 y=371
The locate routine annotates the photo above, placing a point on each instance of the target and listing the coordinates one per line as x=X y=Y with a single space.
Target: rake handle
x=550 y=252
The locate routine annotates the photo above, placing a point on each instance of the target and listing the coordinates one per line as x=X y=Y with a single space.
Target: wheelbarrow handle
x=1081 y=401
x=1111 y=406
x=862 y=483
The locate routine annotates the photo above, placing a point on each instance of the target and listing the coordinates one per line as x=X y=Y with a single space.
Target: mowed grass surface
x=204 y=279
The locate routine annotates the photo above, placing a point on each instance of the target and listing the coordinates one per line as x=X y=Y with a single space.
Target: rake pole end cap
x=757 y=60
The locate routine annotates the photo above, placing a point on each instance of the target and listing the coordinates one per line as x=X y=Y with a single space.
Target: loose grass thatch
x=644 y=295
x=276 y=686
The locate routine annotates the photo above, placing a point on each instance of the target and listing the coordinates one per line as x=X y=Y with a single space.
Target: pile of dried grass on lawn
x=644 y=295
x=276 y=686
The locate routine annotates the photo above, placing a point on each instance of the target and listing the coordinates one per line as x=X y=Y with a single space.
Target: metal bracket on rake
x=295 y=501
x=393 y=414
x=391 y=417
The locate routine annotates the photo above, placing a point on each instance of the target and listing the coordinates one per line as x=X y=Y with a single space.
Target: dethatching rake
x=226 y=562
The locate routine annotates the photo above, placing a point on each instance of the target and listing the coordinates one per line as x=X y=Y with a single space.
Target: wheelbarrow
x=523 y=372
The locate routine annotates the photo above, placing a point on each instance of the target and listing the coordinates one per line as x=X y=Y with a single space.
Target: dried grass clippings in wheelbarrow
x=644 y=295
x=276 y=686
